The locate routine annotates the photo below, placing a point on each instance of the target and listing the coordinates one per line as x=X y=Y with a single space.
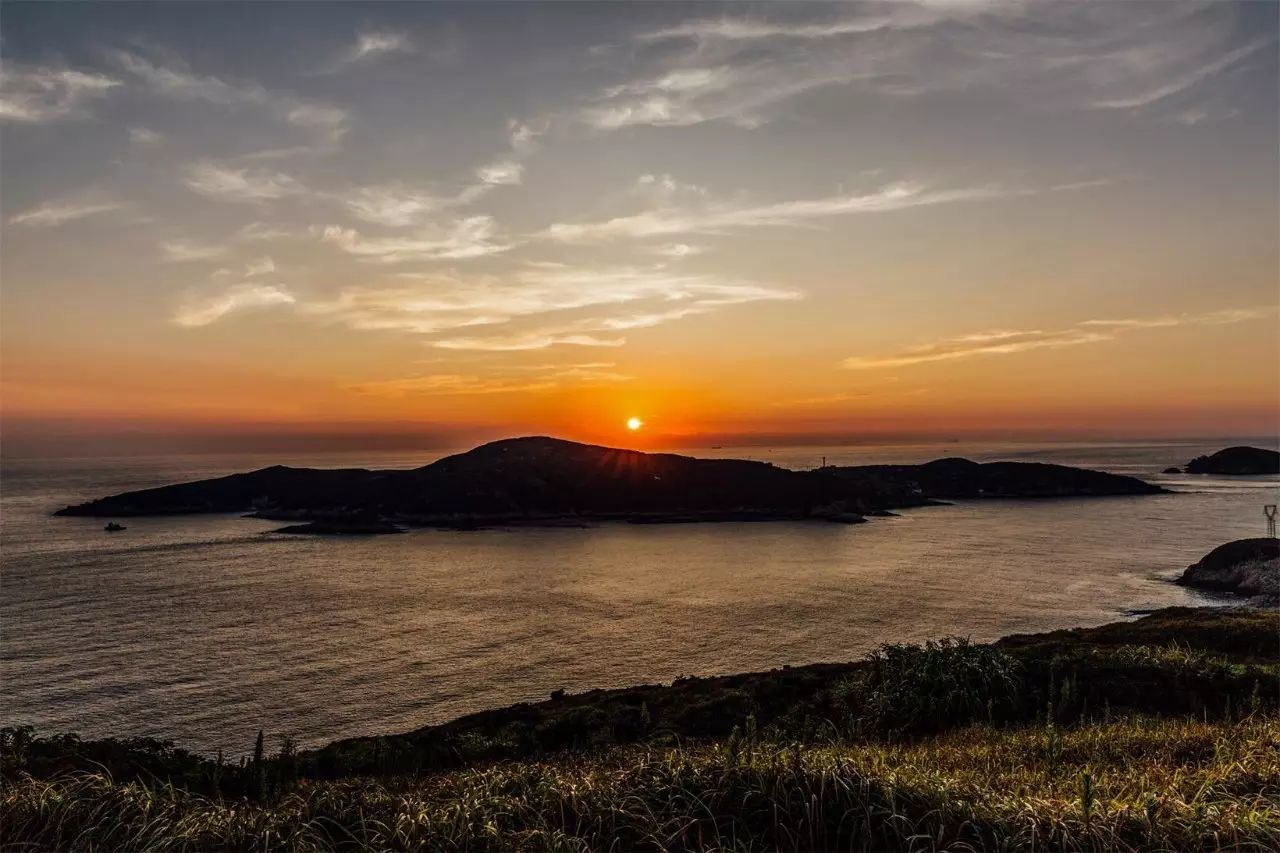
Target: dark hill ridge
x=539 y=479
x=961 y=478
x=1237 y=460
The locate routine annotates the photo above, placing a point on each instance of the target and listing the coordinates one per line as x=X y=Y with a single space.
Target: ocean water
x=204 y=629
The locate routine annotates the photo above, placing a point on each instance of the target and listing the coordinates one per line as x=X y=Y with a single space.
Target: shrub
x=921 y=689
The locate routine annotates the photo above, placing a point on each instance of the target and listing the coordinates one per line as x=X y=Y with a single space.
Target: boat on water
x=112 y=527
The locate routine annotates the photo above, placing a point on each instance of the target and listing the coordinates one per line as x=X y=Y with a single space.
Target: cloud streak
x=472 y=237
x=39 y=94
x=55 y=213
x=1006 y=342
x=539 y=306
x=184 y=251
x=179 y=82
x=227 y=183
x=201 y=311
x=740 y=69
x=372 y=44
x=532 y=379
x=727 y=218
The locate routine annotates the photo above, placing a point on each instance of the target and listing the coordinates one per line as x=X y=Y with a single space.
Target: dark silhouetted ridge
x=539 y=478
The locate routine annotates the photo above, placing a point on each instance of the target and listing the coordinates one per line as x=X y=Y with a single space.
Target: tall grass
x=1124 y=785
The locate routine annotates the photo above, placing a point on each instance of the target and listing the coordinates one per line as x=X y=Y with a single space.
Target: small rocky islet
x=1234 y=461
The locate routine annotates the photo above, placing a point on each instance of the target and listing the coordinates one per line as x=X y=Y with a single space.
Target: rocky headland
x=1247 y=567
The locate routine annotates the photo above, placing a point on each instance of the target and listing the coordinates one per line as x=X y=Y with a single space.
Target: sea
x=205 y=629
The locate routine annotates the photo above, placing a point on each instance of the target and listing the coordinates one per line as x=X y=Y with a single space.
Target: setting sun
x=634 y=423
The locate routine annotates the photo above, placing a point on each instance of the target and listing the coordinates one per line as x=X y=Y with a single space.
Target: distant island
x=547 y=481
x=1237 y=461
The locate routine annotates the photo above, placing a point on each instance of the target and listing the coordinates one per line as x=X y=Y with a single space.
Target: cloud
x=144 y=136
x=54 y=213
x=371 y=44
x=393 y=205
x=264 y=231
x=177 y=81
x=472 y=237
x=501 y=173
x=1182 y=82
x=1224 y=317
x=546 y=378
x=538 y=306
x=240 y=297
x=181 y=251
x=741 y=68
x=725 y=218
x=240 y=185
x=523 y=134
x=1005 y=342
x=520 y=341
x=259 y=266
x=38 y=94
x=676 y=251
x=447 y=385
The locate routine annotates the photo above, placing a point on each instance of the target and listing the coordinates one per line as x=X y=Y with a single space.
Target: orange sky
x=741 y=226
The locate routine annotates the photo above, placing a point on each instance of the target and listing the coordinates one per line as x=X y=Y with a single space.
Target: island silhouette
x=542 y=480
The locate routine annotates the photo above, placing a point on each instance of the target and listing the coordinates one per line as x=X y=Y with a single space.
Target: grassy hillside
x=1160 y=733
x=1125 y=785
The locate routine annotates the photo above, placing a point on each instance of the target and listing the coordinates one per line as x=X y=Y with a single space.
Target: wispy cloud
x=725 y=218
x=676 y=251
x=392 y=204
x=371 y=44
x=742 y=67
x=530 y=340
x=472 y=237
x=528 y=380
x=203 y=310
x=182 y=251
x=538 y=306
x=37 y=94
x=523 y=135
x=259 y=266
x=265 y=231
x=179 y=82
x=227 y=183
x=501 y=173
x=1185 y=80
x=1008 y=342
x=54 y=213
x=144 y=136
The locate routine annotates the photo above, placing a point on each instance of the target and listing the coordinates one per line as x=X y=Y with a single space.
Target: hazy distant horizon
x=42 y=439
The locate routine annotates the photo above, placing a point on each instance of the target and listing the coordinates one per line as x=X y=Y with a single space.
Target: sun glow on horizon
x=634 y=424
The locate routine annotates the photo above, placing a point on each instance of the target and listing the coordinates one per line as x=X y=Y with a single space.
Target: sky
x=435 y=224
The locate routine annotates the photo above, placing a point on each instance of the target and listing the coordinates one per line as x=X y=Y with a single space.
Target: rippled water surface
x=205 y=629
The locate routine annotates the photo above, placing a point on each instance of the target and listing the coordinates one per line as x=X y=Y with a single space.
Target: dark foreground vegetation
x=542 y=480
x=1161 y=733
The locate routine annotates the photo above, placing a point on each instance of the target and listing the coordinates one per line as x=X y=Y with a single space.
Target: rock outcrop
x=1246 y=567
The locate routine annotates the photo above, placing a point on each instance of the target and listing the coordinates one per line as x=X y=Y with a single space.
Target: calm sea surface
x=205 y=629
